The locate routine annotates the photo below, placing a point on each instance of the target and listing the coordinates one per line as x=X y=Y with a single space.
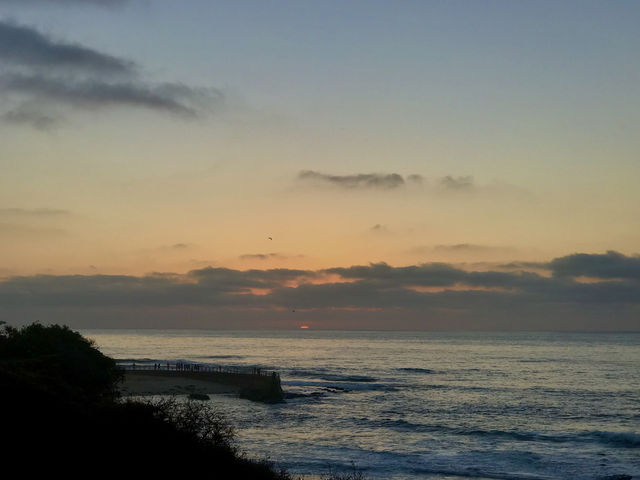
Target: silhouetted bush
x=197 y=419
x=59 y=359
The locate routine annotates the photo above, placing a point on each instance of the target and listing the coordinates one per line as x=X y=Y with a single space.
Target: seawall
x=252 y=386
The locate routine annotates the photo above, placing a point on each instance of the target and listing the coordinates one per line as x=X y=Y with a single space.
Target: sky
x=445 y=165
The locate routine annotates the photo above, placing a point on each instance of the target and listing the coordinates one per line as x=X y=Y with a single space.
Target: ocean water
x=409 y=405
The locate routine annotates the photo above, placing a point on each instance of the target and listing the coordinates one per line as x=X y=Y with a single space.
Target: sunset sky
x=369 y=164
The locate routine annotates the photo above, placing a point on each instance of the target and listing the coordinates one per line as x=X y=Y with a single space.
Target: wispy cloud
x=173 y=248
x=459 y=183
x=379 y=228
x=357 y=181
x=448 y=185
x=26 y=47
x=172 y=98
x=262 y=256
x=43 y=74
x=31 y=115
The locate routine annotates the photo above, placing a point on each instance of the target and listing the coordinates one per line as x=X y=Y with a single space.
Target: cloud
x=379 y=228
x=29 y=115
x=431 y=274
x=458 y=247
x=25 y=46
x=229 y=279
x=460 y=183
x=449 y=184
x=269 y=256
x=610 y=265
x=42 y=74
x=95 y=94
x=357 y=181
x=172 y=249
x=261 y=256
x=411 y=295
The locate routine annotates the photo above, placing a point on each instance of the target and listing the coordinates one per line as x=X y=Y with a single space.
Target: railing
x=196 y=368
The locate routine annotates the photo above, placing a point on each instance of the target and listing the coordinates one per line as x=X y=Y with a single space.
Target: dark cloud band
x=434 y=288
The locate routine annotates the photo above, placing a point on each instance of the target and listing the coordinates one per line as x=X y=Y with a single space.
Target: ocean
x=425 y=405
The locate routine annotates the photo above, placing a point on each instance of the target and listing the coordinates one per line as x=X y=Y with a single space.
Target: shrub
x=197 y=419
x=59 y=359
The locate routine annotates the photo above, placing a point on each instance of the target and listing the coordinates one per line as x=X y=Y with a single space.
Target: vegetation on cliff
x=61 y=411
x=61 y=414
